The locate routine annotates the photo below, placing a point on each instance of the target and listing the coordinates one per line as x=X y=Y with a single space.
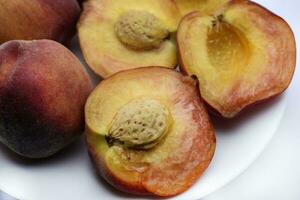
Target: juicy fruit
x=205 y=7
x=138 y=35
x=39 y=19
x=226 y=46
x=163 y=136
x=43 y=89
x=244 y=55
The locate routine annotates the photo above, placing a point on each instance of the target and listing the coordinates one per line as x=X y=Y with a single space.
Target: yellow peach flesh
x=205 y=7
x=247 y=56
x=189 y=131
x=103 y=50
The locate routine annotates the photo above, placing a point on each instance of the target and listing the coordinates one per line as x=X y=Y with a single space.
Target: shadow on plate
x=223 y=125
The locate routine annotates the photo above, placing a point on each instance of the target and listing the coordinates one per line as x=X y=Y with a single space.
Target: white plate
x=69 y=175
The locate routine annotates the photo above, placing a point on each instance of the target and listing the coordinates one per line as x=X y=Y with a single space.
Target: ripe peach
x=244 y=55
x=148 y=132
x=38 y=19
x=205 y=7
x=125 y=34
x=43 y=89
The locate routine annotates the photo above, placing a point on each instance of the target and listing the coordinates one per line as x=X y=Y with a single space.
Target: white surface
x=276 y=174
x=70 y=176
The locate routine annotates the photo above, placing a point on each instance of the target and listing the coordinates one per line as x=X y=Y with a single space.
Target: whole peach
x=43 y=89
x=38 y=19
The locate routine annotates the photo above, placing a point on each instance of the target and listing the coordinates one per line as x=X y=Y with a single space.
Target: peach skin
x=43 y=89
x=38 y=19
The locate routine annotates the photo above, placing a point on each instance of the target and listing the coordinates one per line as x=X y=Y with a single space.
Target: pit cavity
x=227 y=46
x=140 y=30
x=140 y=124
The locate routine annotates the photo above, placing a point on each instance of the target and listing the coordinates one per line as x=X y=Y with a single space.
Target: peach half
x=205 y=7
x=124 y=34
x=148 y=132
x=242 y=56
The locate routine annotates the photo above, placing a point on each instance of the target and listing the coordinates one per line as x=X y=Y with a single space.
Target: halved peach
x=124 y=34
x=148 y=132
x=242 y=56
x=205 y=7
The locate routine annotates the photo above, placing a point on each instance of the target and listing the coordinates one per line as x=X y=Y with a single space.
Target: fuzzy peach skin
x=38 y=19
x=43 y=89
x=245 y=55
x=102 y=50
x=175 y=163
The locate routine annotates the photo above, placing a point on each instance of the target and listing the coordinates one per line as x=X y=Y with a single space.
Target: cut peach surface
x=124 y=34
x=242 y=56
x=205 y=7
x=148 y=132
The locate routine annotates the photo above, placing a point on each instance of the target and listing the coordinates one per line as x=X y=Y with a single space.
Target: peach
x=38 y=19
x=244 y=55
x=43 y=89
x=148 y=132
x=205 y=7
x=125 y=34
